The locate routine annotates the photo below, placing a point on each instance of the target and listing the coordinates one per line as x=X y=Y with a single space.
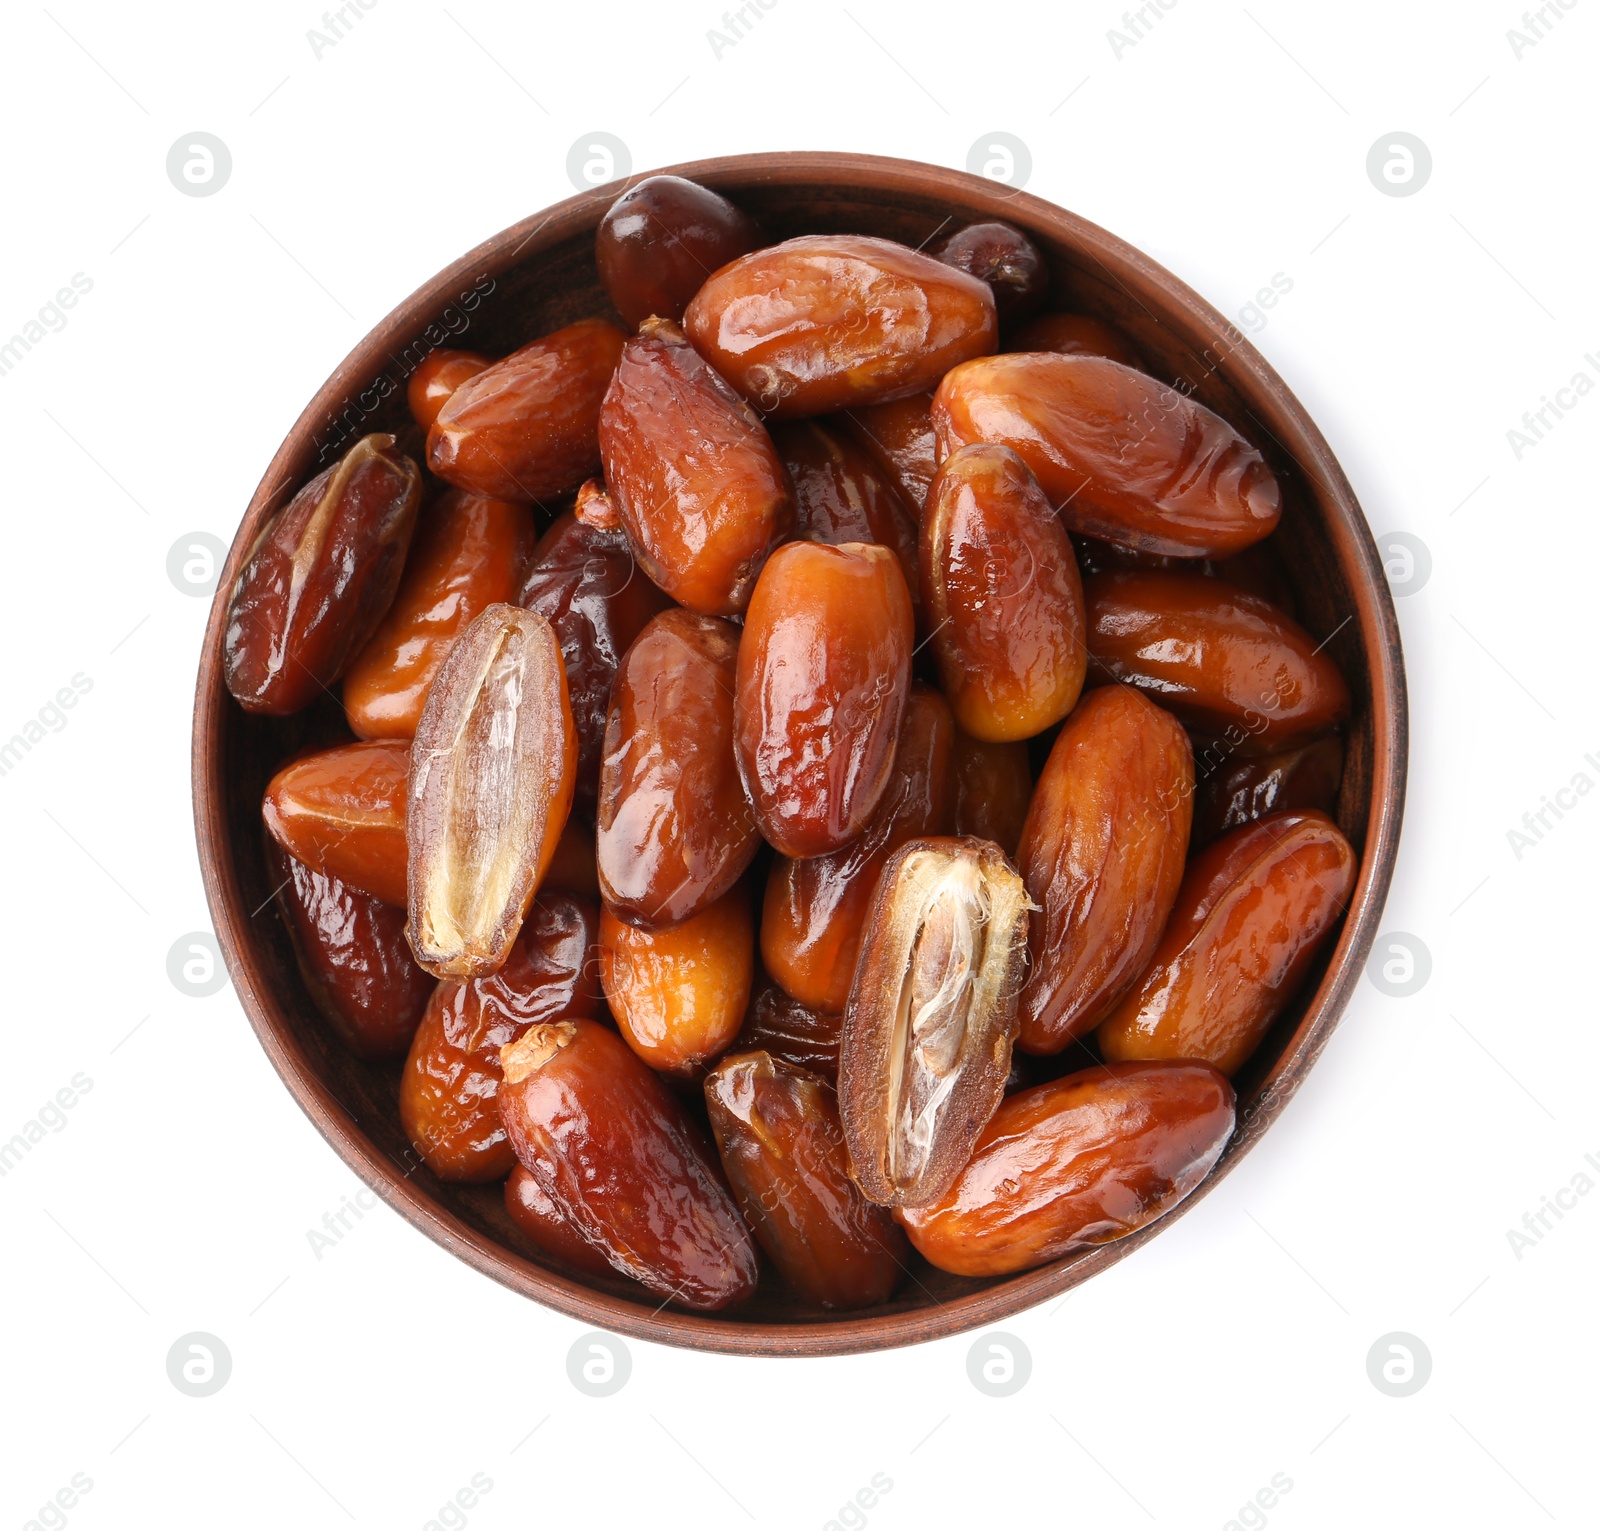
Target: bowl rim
x=1256 y=385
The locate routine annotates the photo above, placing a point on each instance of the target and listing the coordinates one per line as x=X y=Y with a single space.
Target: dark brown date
x=1006 y=259
x=777 y=1129
x=1077 y=335
x=1229 y=794
x=660 y=240
x=619 y=1158
x=320 y=579
x=550 y=1233
x=899 y=437
x=993 y=786
x=675 y=826
x=796 y=1033
x=695 y=477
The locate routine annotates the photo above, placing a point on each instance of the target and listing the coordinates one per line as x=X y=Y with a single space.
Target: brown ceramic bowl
x=541 y=274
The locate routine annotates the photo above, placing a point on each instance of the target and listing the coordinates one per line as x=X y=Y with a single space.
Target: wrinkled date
x=1004 y=258
x=695 y=477
x=583 y=580
x=438 y=376
x=1121 y=456
x=526 y=427
x=542 y=1222
x=1077 y=335
x=1306 y=776
x=993 y=787
x=622 y=1162
x=451 y=1079
x=351 y=951
x=778 y=1024
x=1004 y=602
x=777 y=1129
x=468 y=553
x=1249 y=919
x=343 y=811
x=492 y=772
x=660 y=240
x=1077 y=1162
x=815 y=910
x=1225 y=662
x=320 y=579
x=899 y=437
x=824 y=670
x=829 y=321
x=926 y=1044
x=1102 y=855
x=675 y=829
x=679 y=994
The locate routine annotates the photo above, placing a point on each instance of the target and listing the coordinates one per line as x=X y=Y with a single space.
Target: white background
x=371 y=1384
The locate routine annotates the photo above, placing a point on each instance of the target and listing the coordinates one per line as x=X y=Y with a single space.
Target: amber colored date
x=926 y=1044
x=899 y=437
x=545 y=1227
x=1102 y=854
x=1004 y=258
x=1257 y=570
x=584 y=581
x=1219 y=659
x=438 y=376
x=526 y=427
x=815 y=910
x=320 y=579
x=830 y=321
x=1121 y=455
x=1229 y=794
x=1077 y=335
x=778 y=1024
x=679 y=993
x=1081 y=1161
x=1249 y=918
x=449 y=1088
x=1005 y=604
x=824 y=670
x=993 y=787
x=622 y=1162
x=695 y=477
x=343 y=811
x=661 y=239
x=492 y=772
x=777 y=1129
x=675 y=828
x=468 y=553
x=351 y=951
x=572 y=866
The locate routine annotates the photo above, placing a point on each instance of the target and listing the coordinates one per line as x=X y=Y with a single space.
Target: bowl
x=539 y=275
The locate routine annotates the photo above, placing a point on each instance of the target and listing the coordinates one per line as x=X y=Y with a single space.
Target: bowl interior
x=540 y=275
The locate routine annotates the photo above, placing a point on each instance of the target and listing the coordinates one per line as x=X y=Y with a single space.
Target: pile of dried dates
x=772 y=814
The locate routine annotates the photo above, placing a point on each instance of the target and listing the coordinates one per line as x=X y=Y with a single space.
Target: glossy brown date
x=343 y=811
x=542 y=1222
x=926 y=1044
x=1078 y=1162
x=584 y=581
x=572 y=867
x=660 y=240
x=899 y=437
x=1248 y=921
x=1005 y=259
x=621 y=1161
x=1121 y=455
x=526 y=428
x=352 y=954
x=468 y=553
x=1218 y=658
x=438 y=375
x=695 y=477
x=675 y=828
x=1257 y=570
x=1077 y=335
x=830 y=321
x=815 y=910
x=1102 y=855
x=993 y=787
x=1004 y=602
x=679 y=993
x=449 y=1088
x=1230 y=793
x=824 y=670
x=493 y=767
x=320 y=579
x=777 y=1024
x=777 y=1129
